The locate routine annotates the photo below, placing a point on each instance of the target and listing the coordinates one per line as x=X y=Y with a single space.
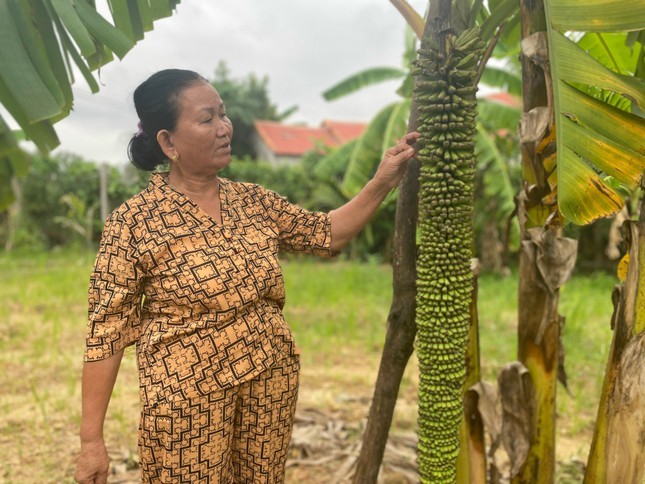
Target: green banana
x=445 y=93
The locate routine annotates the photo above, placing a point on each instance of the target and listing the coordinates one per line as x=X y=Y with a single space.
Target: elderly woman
x=188 y=270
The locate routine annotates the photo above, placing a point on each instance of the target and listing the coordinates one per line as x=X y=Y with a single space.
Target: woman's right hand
x=93 y=463
x=98 y=381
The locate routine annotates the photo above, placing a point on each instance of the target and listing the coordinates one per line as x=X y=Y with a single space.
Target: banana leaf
x=504 y=78
x=596 y=139
x=358 y=81
x=40 y=40
x=388 y=125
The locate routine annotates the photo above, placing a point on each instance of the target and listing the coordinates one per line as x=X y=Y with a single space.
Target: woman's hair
x=157 y=103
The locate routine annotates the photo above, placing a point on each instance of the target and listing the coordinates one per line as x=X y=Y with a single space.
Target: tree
x=546 y=195
x=246 y=100
x=39 y=41
x=357 y=160
x=444 y=55
x=566 y=159
x=543 y=252
x=601 y=138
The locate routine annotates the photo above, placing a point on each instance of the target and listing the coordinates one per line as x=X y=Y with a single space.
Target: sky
x=303 y=46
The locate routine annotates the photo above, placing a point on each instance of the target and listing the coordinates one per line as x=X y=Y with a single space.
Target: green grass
x=332 y=304
x=337 y=310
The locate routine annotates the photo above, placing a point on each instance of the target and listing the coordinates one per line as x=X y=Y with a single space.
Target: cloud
x=303 y=47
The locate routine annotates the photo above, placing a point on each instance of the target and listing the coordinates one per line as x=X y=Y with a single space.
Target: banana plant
x=386 y=127
x=435 y=462
x=571 y=150
x=42 y=43
x=596 y=138
x=548 y=209
x=599 y=102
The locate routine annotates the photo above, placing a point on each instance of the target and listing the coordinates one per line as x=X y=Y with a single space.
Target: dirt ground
x=332 y=411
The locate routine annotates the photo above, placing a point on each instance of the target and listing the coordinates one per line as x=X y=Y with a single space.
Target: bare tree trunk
x=401 y=330
x=618 y=447
x=401 y=327
x=491 y=246
x=103 y=190
x=14 y=213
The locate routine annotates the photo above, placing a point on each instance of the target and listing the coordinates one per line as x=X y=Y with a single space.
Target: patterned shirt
x=202 y=300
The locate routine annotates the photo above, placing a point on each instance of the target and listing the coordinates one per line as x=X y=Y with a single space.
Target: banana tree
x=360 y=158
x=42 y=42
x=385 y=128
x=581 y=185
x=601 y=138
x=546 y=260
x=453 y=52
x=546 y=180
x=538 y=213
x=400 y=328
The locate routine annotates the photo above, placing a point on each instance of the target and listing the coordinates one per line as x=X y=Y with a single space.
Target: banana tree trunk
x=546 y=262
x=471 y=462
x=618 y=447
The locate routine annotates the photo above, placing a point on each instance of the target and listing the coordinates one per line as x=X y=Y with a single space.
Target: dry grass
x=337 y=311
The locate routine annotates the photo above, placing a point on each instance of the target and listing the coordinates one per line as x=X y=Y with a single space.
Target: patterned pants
x=239 y=434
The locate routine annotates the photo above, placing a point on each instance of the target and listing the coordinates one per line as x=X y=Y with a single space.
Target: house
x=504 y=98
x=279 y=143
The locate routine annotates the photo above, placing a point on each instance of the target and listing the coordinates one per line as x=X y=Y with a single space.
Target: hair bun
x=157 y=103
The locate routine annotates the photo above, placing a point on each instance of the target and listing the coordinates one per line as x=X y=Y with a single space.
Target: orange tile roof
x=344 y=131
x=294 y=140
x=504 y=98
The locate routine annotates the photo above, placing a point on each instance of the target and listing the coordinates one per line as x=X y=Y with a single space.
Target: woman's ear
x=165 y=141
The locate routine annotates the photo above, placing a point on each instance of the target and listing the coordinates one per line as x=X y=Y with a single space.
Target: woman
x=188 y=270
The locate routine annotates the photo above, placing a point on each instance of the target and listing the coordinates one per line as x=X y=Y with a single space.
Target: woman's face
x=202 y=138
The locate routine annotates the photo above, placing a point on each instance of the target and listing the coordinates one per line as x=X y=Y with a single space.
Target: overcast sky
x=303 y=46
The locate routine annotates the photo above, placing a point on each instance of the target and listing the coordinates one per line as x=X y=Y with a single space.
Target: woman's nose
x=224 y=129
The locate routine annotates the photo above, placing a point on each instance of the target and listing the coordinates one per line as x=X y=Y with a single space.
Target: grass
x=337 y=304
x=337 y=311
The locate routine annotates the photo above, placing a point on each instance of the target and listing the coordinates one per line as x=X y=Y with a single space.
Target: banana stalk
x=446 y=90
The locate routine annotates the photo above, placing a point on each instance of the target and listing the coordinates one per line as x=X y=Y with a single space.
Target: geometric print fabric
x=202 y=300
x=234 y=435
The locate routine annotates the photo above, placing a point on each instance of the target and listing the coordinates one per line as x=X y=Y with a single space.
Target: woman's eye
x=207 y=120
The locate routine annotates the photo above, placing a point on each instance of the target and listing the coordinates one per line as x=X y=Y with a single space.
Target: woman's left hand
x=392 y=166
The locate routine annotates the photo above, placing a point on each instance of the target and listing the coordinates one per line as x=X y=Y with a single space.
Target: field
x=337 y=311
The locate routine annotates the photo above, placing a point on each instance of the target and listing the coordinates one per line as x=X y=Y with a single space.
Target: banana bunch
x=445 y=91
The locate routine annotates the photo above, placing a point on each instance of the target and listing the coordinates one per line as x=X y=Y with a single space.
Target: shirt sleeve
x=299 y=230
x=114 y=318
